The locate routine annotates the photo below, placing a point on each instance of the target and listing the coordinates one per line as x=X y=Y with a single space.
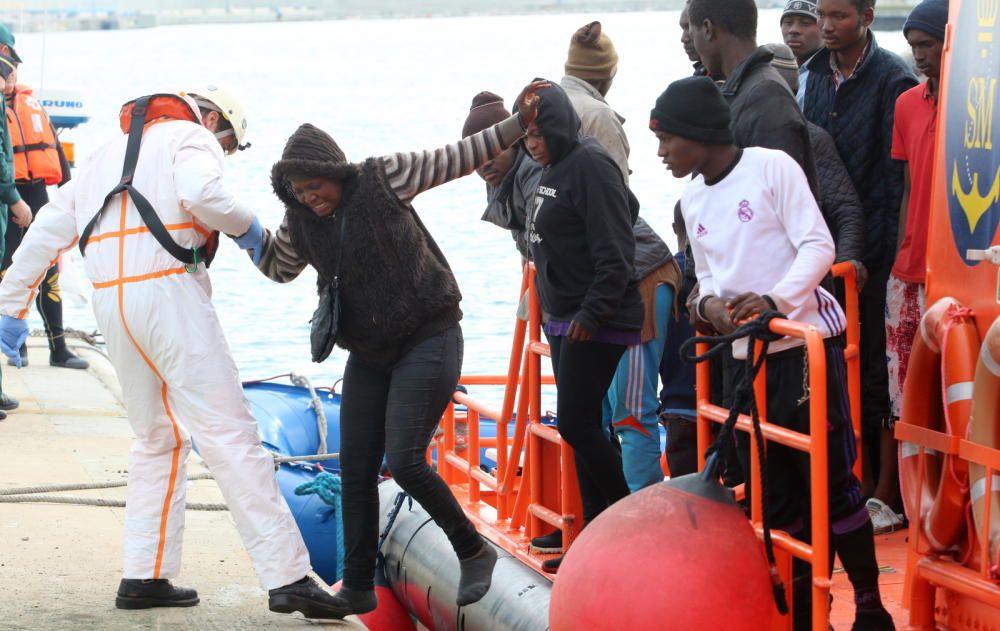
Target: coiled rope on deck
x=757 y=330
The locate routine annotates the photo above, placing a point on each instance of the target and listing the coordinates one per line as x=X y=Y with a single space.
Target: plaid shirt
x=838 y=77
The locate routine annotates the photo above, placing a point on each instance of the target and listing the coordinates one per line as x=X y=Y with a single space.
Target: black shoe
x=144 y=594
x=3 y=415
x=878 y=620
x=552 y=565
x=67 y=360
x=8 y=403
x=311 y=600
x=547 y=544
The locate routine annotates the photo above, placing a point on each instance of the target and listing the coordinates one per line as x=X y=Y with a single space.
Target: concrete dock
x=60 y=564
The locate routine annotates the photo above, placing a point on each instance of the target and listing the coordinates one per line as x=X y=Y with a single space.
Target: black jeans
x=788 y=474
x=583 y=373
x=393 y=411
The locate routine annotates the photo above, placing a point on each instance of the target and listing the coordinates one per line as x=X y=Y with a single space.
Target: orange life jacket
x=36 y=156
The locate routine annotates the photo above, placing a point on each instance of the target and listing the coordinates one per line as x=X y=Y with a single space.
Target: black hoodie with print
x=580 y=229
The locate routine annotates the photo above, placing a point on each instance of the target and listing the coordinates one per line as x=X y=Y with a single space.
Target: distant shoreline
x=132 y=15
x=57 y=20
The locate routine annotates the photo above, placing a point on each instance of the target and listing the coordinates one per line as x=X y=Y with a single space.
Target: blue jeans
x=632 y=401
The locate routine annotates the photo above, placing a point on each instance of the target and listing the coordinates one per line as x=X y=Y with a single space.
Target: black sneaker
x=148 y=593
x=547 y=544
x=552 y=565
x=8 y=403
x=308 y=598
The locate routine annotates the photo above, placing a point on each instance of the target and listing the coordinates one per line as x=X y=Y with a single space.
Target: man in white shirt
x=760 y=244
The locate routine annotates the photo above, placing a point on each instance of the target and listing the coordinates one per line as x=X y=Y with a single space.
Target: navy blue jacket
x=859 y=116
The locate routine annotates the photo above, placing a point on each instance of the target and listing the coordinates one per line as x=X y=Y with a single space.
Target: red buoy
x=390 y=615
x=676 y=555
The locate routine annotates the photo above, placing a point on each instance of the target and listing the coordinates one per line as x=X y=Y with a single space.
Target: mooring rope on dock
x=32 y=494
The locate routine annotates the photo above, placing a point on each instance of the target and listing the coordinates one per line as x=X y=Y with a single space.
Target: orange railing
x=927 y=570
x=534 y=488
x=852 y=352
x=815 y=444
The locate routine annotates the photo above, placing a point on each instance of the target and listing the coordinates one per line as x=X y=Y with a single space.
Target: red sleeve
x=898 y=128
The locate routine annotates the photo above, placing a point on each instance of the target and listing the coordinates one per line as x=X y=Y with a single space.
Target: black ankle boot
x=136 y=593
x=856 y=550
x=877 y=620
x=308 y=598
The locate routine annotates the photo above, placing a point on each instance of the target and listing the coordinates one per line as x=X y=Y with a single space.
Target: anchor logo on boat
x=974 y=203
x=972 y=150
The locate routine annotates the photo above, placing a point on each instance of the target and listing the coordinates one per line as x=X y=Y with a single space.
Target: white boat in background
x=66 y=108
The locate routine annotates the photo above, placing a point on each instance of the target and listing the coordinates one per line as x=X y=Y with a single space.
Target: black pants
x=49 y=302
x=583 y=373
x=875 y=410
x=392 y=411
x=788 y=473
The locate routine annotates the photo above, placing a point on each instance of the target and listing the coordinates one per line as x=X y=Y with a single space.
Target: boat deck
x=60 y=564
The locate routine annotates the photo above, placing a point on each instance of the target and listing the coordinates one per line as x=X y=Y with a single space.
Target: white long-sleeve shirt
x=758 y=229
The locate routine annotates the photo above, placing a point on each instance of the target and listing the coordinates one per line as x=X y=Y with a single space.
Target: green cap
x=7 y=38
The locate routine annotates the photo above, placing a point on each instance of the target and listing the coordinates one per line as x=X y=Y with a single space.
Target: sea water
x=378 y=87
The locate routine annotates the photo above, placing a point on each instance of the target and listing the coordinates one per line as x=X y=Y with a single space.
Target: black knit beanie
x=930 y=16
x=487 y=110
x=693 y=108
x=309 y=152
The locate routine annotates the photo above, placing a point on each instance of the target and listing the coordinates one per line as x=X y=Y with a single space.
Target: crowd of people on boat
x=796 y=156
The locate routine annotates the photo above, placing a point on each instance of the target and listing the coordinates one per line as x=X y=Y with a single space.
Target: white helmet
x=229 y=107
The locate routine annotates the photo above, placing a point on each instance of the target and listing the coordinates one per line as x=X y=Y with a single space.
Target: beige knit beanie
x=592 y=56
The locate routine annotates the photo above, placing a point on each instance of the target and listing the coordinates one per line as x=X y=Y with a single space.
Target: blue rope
x=397 y=505
x=328 y=487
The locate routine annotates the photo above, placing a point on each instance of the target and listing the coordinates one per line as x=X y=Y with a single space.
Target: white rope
x=317 y=406
x=93 y=501
x=20 y=495
x=286 y=459
x=56 y=488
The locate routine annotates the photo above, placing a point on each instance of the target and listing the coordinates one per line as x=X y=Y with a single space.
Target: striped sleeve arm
x=413 y=173
x=281 y=261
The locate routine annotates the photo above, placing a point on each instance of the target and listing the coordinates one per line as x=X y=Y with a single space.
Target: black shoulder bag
x=325 y=320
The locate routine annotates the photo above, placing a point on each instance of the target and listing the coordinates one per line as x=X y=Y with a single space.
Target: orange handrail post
x=852 y=352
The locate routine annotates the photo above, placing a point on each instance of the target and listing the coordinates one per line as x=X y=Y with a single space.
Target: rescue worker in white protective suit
x=164 y=338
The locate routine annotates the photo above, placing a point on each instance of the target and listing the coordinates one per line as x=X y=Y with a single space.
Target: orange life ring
x=984 y=428
x=922 y=406
x=946 y=525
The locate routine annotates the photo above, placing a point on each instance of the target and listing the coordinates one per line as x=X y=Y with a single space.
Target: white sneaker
x=884 y=519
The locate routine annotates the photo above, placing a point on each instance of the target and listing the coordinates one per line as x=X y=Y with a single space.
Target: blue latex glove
x=252 y=240
x=13 y=333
